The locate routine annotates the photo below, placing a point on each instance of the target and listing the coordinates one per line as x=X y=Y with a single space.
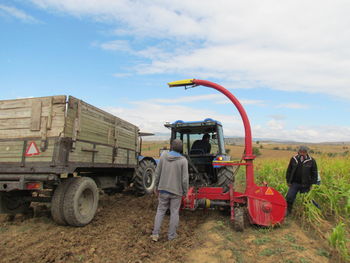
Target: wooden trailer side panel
x=23 y=121
x=99 y=137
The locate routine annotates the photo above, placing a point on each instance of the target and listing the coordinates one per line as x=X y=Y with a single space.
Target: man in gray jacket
x=170 y=185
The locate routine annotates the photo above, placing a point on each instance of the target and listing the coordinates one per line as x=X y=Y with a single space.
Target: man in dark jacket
x=171 y=184
x=301 y=175
x=203 y=146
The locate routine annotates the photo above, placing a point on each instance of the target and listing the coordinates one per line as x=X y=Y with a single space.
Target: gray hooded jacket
x=172 y=174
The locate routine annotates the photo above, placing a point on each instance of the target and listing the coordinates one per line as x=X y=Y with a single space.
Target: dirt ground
x=120 y=232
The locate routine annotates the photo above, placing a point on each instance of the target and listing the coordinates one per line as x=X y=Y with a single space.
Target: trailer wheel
x=57 y=202
x=144 y=178
x=80 y=201
x=239 y=222
x=14 y=203
x=225 y=177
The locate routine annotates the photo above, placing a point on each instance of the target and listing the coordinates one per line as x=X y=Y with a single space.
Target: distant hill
x=240 y=140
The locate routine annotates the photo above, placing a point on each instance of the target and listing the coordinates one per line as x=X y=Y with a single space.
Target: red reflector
x=33 y=186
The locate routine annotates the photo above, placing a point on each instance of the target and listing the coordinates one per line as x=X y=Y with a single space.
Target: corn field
x=332 y=218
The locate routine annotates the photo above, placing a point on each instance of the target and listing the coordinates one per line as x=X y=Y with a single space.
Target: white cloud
x=155 y=113
x=16 y=13
x=291 y=45
x=116 y=45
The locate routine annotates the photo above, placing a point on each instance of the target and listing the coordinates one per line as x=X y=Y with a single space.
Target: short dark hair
x=206 y=136
x=176 y=145
x=303 y=148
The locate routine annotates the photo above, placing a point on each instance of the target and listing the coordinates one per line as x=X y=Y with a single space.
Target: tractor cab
x=203 y=142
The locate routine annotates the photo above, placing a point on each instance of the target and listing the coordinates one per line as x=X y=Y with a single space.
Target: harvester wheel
x=57 y=202
x=225 y=177
x=239 y=223
x=144 y=178
x=80 y=201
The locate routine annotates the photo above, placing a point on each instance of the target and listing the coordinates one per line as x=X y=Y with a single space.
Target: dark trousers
x=292 y=193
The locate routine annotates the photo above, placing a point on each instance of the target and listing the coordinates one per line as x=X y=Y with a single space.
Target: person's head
x=176 y=145
x=206 y=137
x=303 y=150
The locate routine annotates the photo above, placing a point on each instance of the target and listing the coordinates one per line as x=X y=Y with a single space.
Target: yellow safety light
x=180 y=83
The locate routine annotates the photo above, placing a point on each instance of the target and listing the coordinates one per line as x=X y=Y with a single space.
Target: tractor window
x=198 y=137
x=221 y=141
x=183 y=138
x=214 y=145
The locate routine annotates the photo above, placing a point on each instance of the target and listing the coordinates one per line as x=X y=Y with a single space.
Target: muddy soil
x=121 y=231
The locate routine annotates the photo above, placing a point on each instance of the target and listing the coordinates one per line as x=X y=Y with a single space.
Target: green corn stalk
x=338 y=240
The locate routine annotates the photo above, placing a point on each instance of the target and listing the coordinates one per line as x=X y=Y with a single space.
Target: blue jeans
x=293 y=191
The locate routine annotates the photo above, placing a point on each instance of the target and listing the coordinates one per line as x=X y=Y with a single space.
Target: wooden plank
x=27 y=102
x=35 y=116
x=104 y=154
x=11 y=151
x=58 y=109
x=25 y=132
x=81 y=156
x=49 y=116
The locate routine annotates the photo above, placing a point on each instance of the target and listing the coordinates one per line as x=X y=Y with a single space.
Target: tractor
x=260 y=205
x=199 y=156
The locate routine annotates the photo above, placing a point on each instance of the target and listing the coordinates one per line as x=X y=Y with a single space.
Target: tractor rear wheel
x=144 y=177
x=225 y=177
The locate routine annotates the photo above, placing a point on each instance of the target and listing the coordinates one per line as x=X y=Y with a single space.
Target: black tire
x=57 y=202
x=239 y=222
x=144 y=178
x=225 y=177
x=14 y=202
x=80 y=201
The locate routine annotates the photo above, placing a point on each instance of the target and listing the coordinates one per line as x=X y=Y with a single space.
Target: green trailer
x=62 y=150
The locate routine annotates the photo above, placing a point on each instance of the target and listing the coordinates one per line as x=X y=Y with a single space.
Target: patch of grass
x=297 y=247
x=262 y=240
x=80 y=258
x=290 y=237
x=264 y=230
x=220 y=225
x=267 y=252
x=230 y=237
x=324 y=253
x=238 y=255
x=304 y=260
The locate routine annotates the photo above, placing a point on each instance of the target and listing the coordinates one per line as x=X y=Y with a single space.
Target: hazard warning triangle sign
x=269 y=191
x=32 y=150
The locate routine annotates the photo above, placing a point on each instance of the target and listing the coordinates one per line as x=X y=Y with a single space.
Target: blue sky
x=288 y=63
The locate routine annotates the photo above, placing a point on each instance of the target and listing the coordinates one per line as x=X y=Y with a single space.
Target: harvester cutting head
x=264 y=205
